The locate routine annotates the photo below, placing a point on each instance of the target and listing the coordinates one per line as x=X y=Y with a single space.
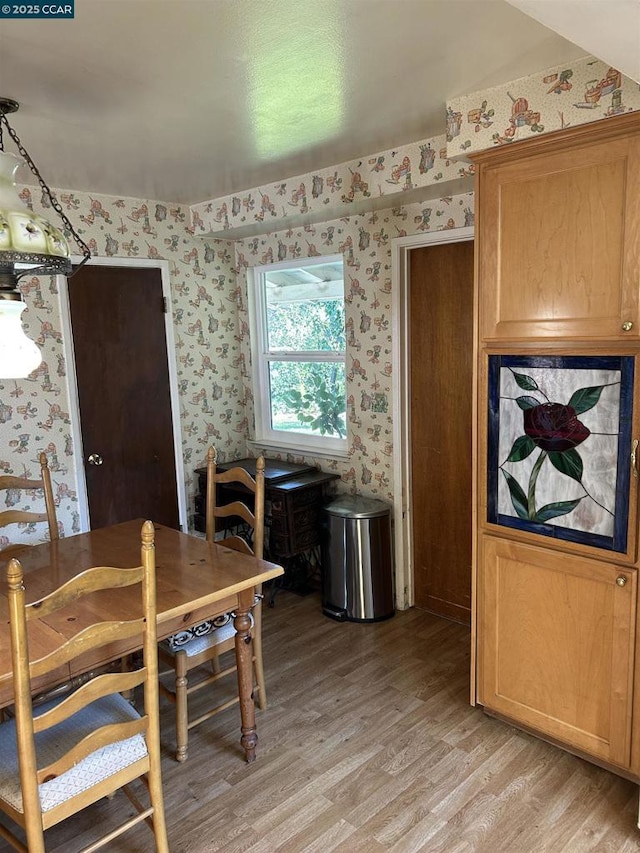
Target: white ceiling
x=610 y=29
x=189 y=100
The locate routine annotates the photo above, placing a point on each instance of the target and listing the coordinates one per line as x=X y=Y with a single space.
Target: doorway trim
x=400 y=275
x=72 y=381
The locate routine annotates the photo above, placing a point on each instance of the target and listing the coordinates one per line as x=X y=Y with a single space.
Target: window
x=298 y=350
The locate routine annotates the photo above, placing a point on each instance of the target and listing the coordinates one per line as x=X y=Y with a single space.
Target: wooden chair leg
x=34 y=833
x=257 y=653
x=182 y=708
x=155 y=796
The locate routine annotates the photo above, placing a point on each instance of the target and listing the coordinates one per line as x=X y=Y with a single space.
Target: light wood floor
x=369 y=744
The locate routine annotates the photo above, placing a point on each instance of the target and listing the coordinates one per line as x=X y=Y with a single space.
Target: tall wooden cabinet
x=558 y=289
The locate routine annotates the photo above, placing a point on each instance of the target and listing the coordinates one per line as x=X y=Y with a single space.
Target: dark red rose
x=554 y=427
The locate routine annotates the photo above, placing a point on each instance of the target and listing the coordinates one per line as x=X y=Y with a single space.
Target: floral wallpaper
x=584 y=91
x=365 y=243
x=208 y=286
x=549 y=100
x=34 y=413
x=559 y=97
x=209 y=277
x=333 y=192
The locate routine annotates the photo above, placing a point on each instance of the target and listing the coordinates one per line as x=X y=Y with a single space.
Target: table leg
x=244 y=660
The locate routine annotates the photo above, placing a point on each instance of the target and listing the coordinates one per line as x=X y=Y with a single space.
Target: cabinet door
x=559 y=238
x=556 y=645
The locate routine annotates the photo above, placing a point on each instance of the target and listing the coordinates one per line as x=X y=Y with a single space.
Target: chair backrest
x=9 y=482
x=93 y=637
x=237 y=508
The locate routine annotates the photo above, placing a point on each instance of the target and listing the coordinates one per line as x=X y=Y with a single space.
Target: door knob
x=627 y=326
x=621 y=580
x=95 y=459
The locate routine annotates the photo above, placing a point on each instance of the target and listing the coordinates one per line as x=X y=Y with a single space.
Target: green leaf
x=527 y=402
x=293 y=397
x=528 y=383
x=522 y=447
x=568 y=462
x=554 y=510
x=518 y=497
x=585 y=398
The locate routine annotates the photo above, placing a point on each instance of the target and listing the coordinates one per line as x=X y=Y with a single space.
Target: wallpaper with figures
x=34 y=413
x=584 y=91
x=335 y=191
x=209 y=280
x=552 y=99
x=365 y=243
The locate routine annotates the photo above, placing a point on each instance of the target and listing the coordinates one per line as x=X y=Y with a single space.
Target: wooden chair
x=15 y=516
x=93 y=742
x=208 y=642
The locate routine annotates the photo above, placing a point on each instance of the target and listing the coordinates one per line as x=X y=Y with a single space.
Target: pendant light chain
x=55 y=204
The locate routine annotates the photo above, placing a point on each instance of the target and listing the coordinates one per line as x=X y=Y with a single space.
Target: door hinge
x=165 y=305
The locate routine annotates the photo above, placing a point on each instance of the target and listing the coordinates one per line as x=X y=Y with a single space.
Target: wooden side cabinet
x=557 y=652
x=558 y=241
x=294 y=509
x=558 y=295
x=294 y=496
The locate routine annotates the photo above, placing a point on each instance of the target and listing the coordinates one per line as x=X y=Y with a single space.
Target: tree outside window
x=298 y=339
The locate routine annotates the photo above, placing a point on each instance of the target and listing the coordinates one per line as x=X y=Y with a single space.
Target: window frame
x=262 y=357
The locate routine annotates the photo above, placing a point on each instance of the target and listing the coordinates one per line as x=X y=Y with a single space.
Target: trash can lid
x=357 y=506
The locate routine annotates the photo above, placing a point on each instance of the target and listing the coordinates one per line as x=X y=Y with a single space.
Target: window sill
x=298 y=450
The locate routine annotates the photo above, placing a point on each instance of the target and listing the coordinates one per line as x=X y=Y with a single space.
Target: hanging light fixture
x=29 y=245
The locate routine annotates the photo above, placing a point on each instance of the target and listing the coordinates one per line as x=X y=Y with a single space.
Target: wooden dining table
x=195 y=580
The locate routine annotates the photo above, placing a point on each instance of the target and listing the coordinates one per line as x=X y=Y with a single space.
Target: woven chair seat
x=221 y=628
x=198 y=644
x=189 y=635
x=54 y=742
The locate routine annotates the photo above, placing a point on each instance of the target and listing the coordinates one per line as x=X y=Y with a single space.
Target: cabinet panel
x=557 y=636
x=559 y=238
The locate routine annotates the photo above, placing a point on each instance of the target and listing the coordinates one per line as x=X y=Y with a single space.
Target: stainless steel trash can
x=357 y=579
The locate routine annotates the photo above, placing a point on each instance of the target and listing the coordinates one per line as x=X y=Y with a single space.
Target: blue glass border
x=626 y=365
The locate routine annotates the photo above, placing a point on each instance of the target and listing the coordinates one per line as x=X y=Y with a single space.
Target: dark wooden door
x=441 y=336
x=118 y=322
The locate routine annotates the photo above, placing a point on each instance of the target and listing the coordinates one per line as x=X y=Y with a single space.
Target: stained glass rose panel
x=559 y=443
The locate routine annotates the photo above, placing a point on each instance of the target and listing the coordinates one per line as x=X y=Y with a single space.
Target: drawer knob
x=621 y=580
x=627 y=326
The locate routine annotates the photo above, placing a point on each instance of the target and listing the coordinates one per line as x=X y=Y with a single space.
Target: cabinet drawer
x=307 y=497
x=302 y=519
x=305 y=538
x=287 y=546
